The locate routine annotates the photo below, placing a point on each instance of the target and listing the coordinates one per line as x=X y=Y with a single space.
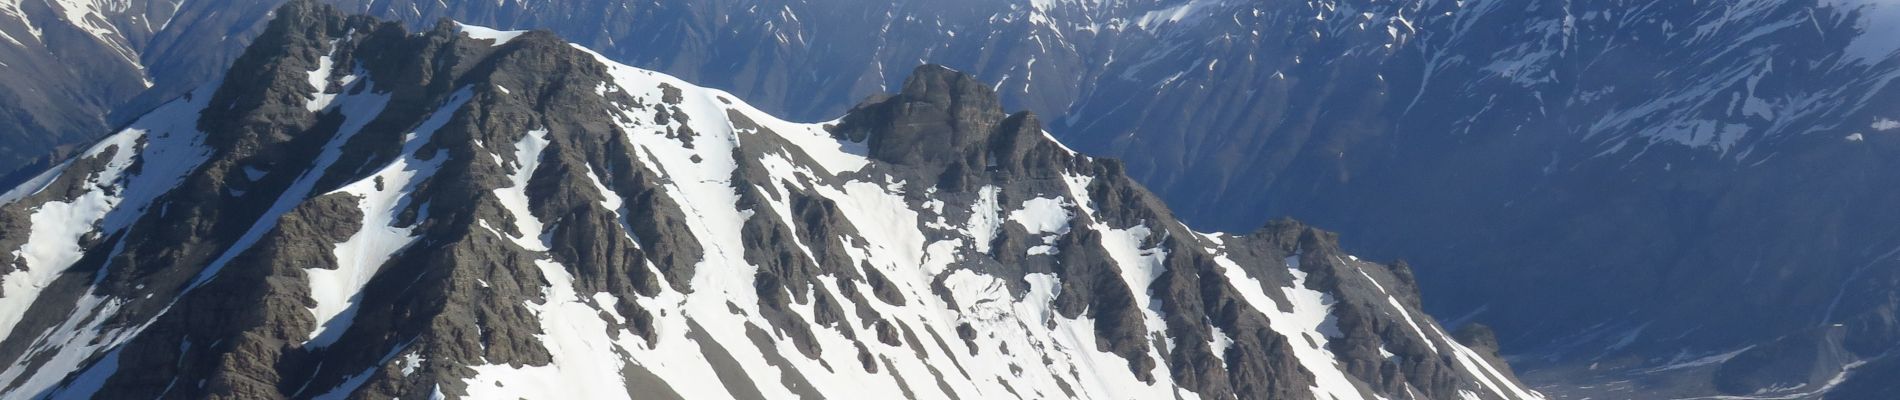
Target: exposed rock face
x=359 y=211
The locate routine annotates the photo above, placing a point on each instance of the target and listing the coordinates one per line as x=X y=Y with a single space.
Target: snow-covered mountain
x=1594 y=179
x=355 y=211
x=67 y=65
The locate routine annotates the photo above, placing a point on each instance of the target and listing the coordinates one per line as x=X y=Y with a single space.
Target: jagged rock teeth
x=478 y=213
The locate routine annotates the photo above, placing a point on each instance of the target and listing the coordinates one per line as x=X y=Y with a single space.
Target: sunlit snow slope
x=360 y=212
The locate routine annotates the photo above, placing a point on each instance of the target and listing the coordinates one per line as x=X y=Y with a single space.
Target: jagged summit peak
x=953 y=89
x=937 y=109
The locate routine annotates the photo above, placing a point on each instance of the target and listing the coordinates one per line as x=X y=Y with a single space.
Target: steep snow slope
x=524 y=218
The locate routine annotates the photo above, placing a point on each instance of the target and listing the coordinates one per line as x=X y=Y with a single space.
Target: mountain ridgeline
x=357 y=211
x=1596 y=180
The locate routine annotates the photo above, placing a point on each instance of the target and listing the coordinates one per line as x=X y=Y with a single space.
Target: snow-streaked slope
x=163 y=146
x=602 y=231
x=896 y=240
x=383 y=196
x=110 y=186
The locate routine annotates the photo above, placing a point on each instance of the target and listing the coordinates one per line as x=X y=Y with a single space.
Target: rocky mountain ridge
x=355 y=211
x=1648 y=158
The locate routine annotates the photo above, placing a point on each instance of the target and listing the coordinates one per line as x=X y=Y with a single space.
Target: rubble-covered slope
x=356 y=211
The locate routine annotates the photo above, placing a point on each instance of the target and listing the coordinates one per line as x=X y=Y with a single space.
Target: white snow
x=583 y=366
x=1304 y=327
x=172 y=148
x=500 y=37
x=66 y=347
x=514 y=198
x=1044 y=216
x=1003 y=322
x=1188 y=11
x=984 y=223
x=1140 y=266
x=412 y=361
x=320 y=80
x=1884 y=124
x=699 y=181
x=382 y=198
x=1879 y=25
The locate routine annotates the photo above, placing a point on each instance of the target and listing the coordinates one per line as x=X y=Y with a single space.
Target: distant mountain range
x=1687 y=196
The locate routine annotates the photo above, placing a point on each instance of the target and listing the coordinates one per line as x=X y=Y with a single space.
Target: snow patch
x=1188 y=11
x=165 y=145
x=382 y=197
x=1044 y=216
x=1884 y=125
x=1879 y=25
x=514 y=197
x=500 y=37
x=320 y=80
x=984 y=225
